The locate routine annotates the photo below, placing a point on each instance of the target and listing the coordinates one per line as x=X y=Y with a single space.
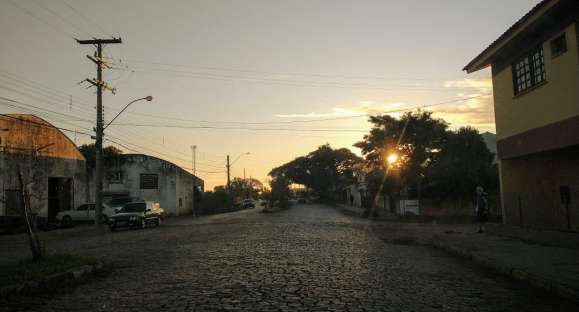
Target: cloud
x=477 y=112
x=363 y=108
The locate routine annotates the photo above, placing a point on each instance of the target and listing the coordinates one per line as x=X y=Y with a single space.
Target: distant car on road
x=248 y=203
x=82 y=213
x=138 y=214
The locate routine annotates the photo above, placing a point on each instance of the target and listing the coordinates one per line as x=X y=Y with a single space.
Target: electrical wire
x=57 y=29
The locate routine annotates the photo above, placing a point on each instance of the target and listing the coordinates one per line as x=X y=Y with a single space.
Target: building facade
x=154 y=179
x=52 y=168
x=535 y=74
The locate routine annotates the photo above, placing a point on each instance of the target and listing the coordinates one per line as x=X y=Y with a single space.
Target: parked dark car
x=248 y=203
x=117 y=203
x=138 y=214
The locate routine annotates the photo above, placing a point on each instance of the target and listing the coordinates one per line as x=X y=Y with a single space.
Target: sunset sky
x=248 y=76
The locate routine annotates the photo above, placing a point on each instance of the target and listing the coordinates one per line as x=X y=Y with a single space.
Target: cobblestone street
x=308 y=258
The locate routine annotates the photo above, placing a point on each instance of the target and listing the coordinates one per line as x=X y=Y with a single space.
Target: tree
x=416 y=138
x=89 y=152
x=326 y=171
x=280 y=191
x=464 y=162
x=245 y=188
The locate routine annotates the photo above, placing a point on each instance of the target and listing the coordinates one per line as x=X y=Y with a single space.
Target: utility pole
x=100 y=85
x=194 y=150
x=228 y=176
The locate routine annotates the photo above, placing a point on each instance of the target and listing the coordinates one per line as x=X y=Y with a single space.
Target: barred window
x=529 y=70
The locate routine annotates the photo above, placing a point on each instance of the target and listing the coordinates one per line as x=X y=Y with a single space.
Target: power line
x=62 y=18
x=86 y=18
x=57 y=29
x=272 y=72
x=238 y=128
x=221 y=77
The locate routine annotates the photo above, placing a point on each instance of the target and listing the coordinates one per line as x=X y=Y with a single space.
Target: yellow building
x=535 y=72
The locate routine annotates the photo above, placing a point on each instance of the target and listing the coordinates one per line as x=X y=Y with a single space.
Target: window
x=529 y=70
x=558 y=46
x=116 y=177
x=180 y=202
x=82 y=208
x=149 y=181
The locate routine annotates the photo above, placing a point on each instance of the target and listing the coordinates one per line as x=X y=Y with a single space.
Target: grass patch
x=34 y=271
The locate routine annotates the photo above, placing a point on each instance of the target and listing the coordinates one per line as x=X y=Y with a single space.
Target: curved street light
x=147 y=98
x=237 y=158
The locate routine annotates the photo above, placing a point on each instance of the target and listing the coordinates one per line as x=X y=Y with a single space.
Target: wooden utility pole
x=228 y=176
x=100 y=85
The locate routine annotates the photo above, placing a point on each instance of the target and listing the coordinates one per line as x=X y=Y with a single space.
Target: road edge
x=52 y=281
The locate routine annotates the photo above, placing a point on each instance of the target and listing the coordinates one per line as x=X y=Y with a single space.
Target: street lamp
x=99 y=161
x=147 y=98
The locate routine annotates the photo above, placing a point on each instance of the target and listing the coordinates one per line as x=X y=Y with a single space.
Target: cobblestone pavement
x=307 y=258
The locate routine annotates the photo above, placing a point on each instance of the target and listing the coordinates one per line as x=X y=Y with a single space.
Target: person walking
x=481 y=208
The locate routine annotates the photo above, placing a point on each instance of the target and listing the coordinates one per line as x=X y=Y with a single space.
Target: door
x=90 y=212
x=13 y=203
x=59 y=196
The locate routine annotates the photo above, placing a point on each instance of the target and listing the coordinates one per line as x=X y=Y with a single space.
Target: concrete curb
x=51 y=281
x=551 y=286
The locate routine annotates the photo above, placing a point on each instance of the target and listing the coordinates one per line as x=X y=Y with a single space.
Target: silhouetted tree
x=326 y=171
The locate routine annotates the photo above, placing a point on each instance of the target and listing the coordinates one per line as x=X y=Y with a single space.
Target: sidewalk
x=548 y=260
x=553 y=268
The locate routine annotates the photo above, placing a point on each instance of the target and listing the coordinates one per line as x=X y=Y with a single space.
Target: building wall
x=174 y=183
x=530 y=188
x=36 y=171
x=184 y=192
x=553 y=101
x=41 y=151
x=131 y=168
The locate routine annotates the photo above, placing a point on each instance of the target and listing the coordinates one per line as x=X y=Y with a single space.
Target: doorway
x=60 y=196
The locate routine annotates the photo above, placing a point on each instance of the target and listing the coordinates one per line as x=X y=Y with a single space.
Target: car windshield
x=120 y=201
x=134 y=207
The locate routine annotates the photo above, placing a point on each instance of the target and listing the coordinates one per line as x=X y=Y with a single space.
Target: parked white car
x=83 y=213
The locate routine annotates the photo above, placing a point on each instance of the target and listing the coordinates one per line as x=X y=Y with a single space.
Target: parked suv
x=139 y=214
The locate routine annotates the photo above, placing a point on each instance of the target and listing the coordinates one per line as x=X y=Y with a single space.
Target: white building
x=152 y=178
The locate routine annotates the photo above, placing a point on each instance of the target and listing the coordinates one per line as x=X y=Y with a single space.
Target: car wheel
x=159 y=221
x=67 y=221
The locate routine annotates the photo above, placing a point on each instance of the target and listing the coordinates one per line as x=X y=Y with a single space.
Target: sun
x=392 y=158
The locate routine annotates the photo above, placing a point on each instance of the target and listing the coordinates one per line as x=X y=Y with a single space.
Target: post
x=99 y=84
x=194 y=149
x=99 y=143
x=228 y=176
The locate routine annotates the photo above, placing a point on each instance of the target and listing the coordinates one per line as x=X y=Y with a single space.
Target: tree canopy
x=416 y=138
x=325 y=170
x=89 y=153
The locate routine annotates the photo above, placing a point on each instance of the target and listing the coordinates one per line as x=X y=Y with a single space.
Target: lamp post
x=147 y=98
x=99 y=162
